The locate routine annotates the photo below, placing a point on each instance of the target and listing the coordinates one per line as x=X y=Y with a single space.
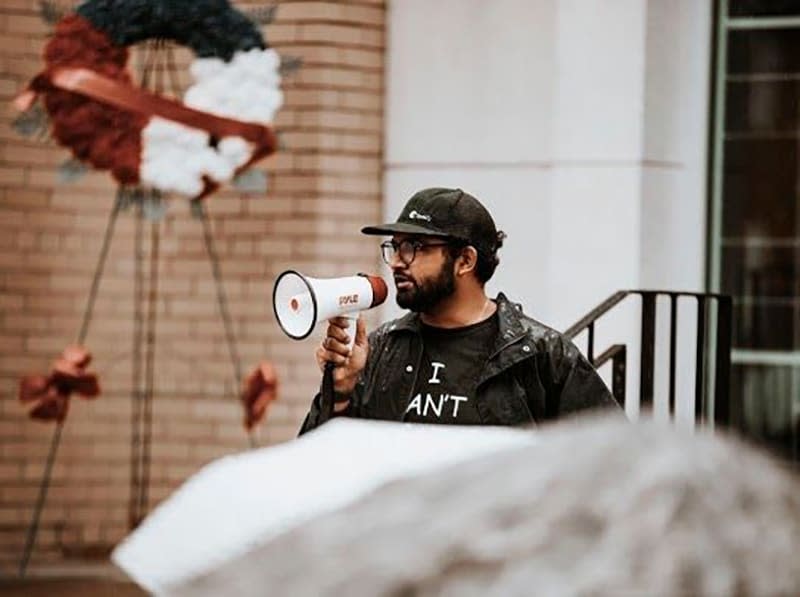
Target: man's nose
x=397 y=263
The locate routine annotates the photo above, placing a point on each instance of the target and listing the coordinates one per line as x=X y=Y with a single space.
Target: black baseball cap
x=449 y=213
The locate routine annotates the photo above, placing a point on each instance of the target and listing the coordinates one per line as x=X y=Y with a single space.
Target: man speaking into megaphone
x=458 y=356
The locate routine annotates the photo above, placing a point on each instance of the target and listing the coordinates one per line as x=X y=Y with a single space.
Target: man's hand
x=349 y=362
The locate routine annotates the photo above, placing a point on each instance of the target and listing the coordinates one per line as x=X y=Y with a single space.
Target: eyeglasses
x=405 y=249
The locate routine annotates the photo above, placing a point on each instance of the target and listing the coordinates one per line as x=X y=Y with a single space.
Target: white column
x=469 y=105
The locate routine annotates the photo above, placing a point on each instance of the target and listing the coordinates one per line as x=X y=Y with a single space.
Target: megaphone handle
x=328 y=394
x=328 y=397
x=352 y=328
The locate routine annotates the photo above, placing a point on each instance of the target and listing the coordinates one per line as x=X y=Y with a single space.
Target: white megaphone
x=300 y=302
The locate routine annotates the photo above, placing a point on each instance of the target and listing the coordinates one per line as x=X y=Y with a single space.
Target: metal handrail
x=617 y=352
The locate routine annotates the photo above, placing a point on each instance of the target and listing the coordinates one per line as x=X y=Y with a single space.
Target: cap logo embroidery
x=415 y=215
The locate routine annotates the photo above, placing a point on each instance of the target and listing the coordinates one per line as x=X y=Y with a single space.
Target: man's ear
x=467 y=261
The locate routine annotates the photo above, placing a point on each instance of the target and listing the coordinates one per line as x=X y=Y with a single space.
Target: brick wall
x=323 y=186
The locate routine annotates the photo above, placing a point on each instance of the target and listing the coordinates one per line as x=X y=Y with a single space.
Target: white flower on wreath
x=176 y=157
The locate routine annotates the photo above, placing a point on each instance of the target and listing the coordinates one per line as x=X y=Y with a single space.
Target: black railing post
x=618 y=366
x=590 y=344
x=673 y=341
x=699 y=403
x=722 y=372
x=648 y=348
x=617 y=354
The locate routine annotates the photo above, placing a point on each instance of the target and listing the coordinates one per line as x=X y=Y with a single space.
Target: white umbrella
x=242 y=501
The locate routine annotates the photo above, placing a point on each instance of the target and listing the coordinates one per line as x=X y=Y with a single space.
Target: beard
x=426 y=294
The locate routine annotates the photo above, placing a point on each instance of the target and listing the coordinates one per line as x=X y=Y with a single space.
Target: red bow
x=50 y=394
x=259 y=390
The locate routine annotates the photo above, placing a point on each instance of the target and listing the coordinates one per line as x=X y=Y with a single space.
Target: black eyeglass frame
x=397 y=249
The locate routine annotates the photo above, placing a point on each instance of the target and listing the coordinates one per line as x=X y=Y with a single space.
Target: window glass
x=763 y=8
x=763 y=401
x=763 y=51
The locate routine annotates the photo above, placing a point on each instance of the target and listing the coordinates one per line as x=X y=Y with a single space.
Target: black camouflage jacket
x=533 y=374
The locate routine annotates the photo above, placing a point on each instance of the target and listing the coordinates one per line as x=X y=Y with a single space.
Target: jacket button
x=409 y=368
x=526 y=348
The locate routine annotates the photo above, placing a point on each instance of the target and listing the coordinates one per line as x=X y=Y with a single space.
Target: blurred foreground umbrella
x=259 y=390
x=239 y=502
x=48 y=396
x=592 y=507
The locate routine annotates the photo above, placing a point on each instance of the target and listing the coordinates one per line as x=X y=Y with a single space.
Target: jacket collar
x=510 y=325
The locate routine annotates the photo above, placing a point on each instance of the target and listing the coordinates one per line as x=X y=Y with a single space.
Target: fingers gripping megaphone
x=300 y=302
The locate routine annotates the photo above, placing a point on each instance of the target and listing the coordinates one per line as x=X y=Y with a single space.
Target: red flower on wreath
x=259 y=390
x=103 y=135
x=49 y=395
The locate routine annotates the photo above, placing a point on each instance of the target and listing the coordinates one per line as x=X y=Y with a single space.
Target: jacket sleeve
x=317 y=417
x=576 y=384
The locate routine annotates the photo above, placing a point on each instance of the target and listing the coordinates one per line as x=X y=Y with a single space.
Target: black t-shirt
x=446 y=382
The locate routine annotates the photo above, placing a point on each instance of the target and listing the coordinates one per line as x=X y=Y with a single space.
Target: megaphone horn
x=300 y=301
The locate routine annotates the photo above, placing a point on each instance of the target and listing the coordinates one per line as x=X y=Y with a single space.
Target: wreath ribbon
x=109 y=91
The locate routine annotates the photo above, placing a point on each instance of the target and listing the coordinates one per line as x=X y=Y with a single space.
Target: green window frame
x=762 y=371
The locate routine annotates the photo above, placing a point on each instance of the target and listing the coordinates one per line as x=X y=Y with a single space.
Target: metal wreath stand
x=148 y=204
